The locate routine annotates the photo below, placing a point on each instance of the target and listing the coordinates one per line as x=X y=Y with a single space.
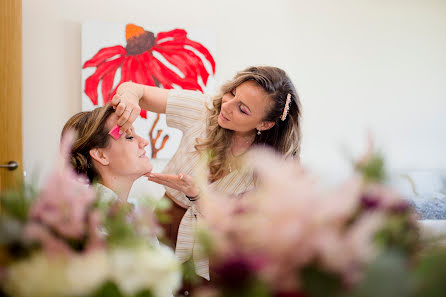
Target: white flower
x=86 y=272
x=139 y=268
x=37 y=276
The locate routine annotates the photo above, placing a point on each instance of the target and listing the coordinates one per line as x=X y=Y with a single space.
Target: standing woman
x=259 y=106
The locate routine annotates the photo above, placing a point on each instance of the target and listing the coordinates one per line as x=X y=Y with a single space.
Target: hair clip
x=114 y=132
x=286 y=107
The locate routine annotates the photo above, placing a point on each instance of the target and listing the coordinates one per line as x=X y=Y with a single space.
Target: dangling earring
x=258 y=132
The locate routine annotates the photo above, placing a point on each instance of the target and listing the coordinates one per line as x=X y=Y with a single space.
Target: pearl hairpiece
x=286 y=107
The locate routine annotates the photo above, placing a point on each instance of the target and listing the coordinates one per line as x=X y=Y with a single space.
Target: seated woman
x=114 y=164
x=110 y=161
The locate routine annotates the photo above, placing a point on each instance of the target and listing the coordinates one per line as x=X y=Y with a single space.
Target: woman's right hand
x=181 y=182
x=126 y=104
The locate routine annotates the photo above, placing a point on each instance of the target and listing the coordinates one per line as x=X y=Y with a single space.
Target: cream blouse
x=186 y=111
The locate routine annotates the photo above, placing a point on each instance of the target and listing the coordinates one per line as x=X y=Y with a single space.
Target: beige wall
x=356 y=64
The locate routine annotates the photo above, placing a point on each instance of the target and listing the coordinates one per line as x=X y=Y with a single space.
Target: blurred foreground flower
x=306 y=241
x=67 y=240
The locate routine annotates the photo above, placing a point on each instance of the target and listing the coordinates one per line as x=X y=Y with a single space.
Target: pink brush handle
x=115 y=132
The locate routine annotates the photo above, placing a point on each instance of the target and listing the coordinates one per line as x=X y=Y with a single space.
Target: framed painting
x=167 y=57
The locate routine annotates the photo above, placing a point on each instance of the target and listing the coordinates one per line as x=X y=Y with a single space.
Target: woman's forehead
x=111 y=121
x=254 y=96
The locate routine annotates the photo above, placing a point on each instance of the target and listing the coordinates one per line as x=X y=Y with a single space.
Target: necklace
x=244 y=142
x=233 y=160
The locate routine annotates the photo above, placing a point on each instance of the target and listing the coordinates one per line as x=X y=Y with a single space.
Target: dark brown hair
x=91 y=133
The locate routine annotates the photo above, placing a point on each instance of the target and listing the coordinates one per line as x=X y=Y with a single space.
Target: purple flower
x=400 y=207
x=237 y=270
x=370 y=202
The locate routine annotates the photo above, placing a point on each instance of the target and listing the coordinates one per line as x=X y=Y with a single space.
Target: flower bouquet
x=292 y=237
x=64 y=240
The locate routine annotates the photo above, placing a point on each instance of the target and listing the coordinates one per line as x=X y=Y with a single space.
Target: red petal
x=203 y=50
x=157 y=71
x=167 y=76
x=176 y=33
x=198 y=46
x=104 y=54
x=179 y=61
x=91 y=83
x=137 y=76
x=143 y=113
x=180 y=38
x=139 y=73
x=199 y=65
x=91 y=89
x=107 y=83
x=193 y=60
x=124 y=75
x=145 y=69
x=190 y=80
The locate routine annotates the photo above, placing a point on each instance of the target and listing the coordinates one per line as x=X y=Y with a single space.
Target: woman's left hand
x=181 y=182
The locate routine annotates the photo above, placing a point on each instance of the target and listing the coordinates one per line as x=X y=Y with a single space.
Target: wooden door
x=10 y=91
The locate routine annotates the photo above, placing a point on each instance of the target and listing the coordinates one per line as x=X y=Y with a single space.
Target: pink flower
x=380 y=196
x=50 y=244
x=96 y=238
x=292 y=223
x=63 y=204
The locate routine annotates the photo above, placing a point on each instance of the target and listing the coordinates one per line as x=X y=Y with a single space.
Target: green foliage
x=160 y=210
x=252 y=288
x=14 y=208
x=16 y=203
x=373 y=170
x=430 y=274
x=399 y=233
x=205 y=240
x=189 y=275
x=108 y=289
x=144 y=293
x=117 y=226
x=318 y=283
x=386 y=276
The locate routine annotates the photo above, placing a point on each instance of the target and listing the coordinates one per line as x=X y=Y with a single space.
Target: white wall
x=357 y=64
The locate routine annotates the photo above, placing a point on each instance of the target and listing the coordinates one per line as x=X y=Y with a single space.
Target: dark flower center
x=141 y=43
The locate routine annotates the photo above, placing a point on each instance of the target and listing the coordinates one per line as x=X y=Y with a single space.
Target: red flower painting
x=181 y=65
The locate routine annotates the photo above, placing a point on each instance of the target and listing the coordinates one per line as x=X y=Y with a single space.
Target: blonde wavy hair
x=284 y=137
